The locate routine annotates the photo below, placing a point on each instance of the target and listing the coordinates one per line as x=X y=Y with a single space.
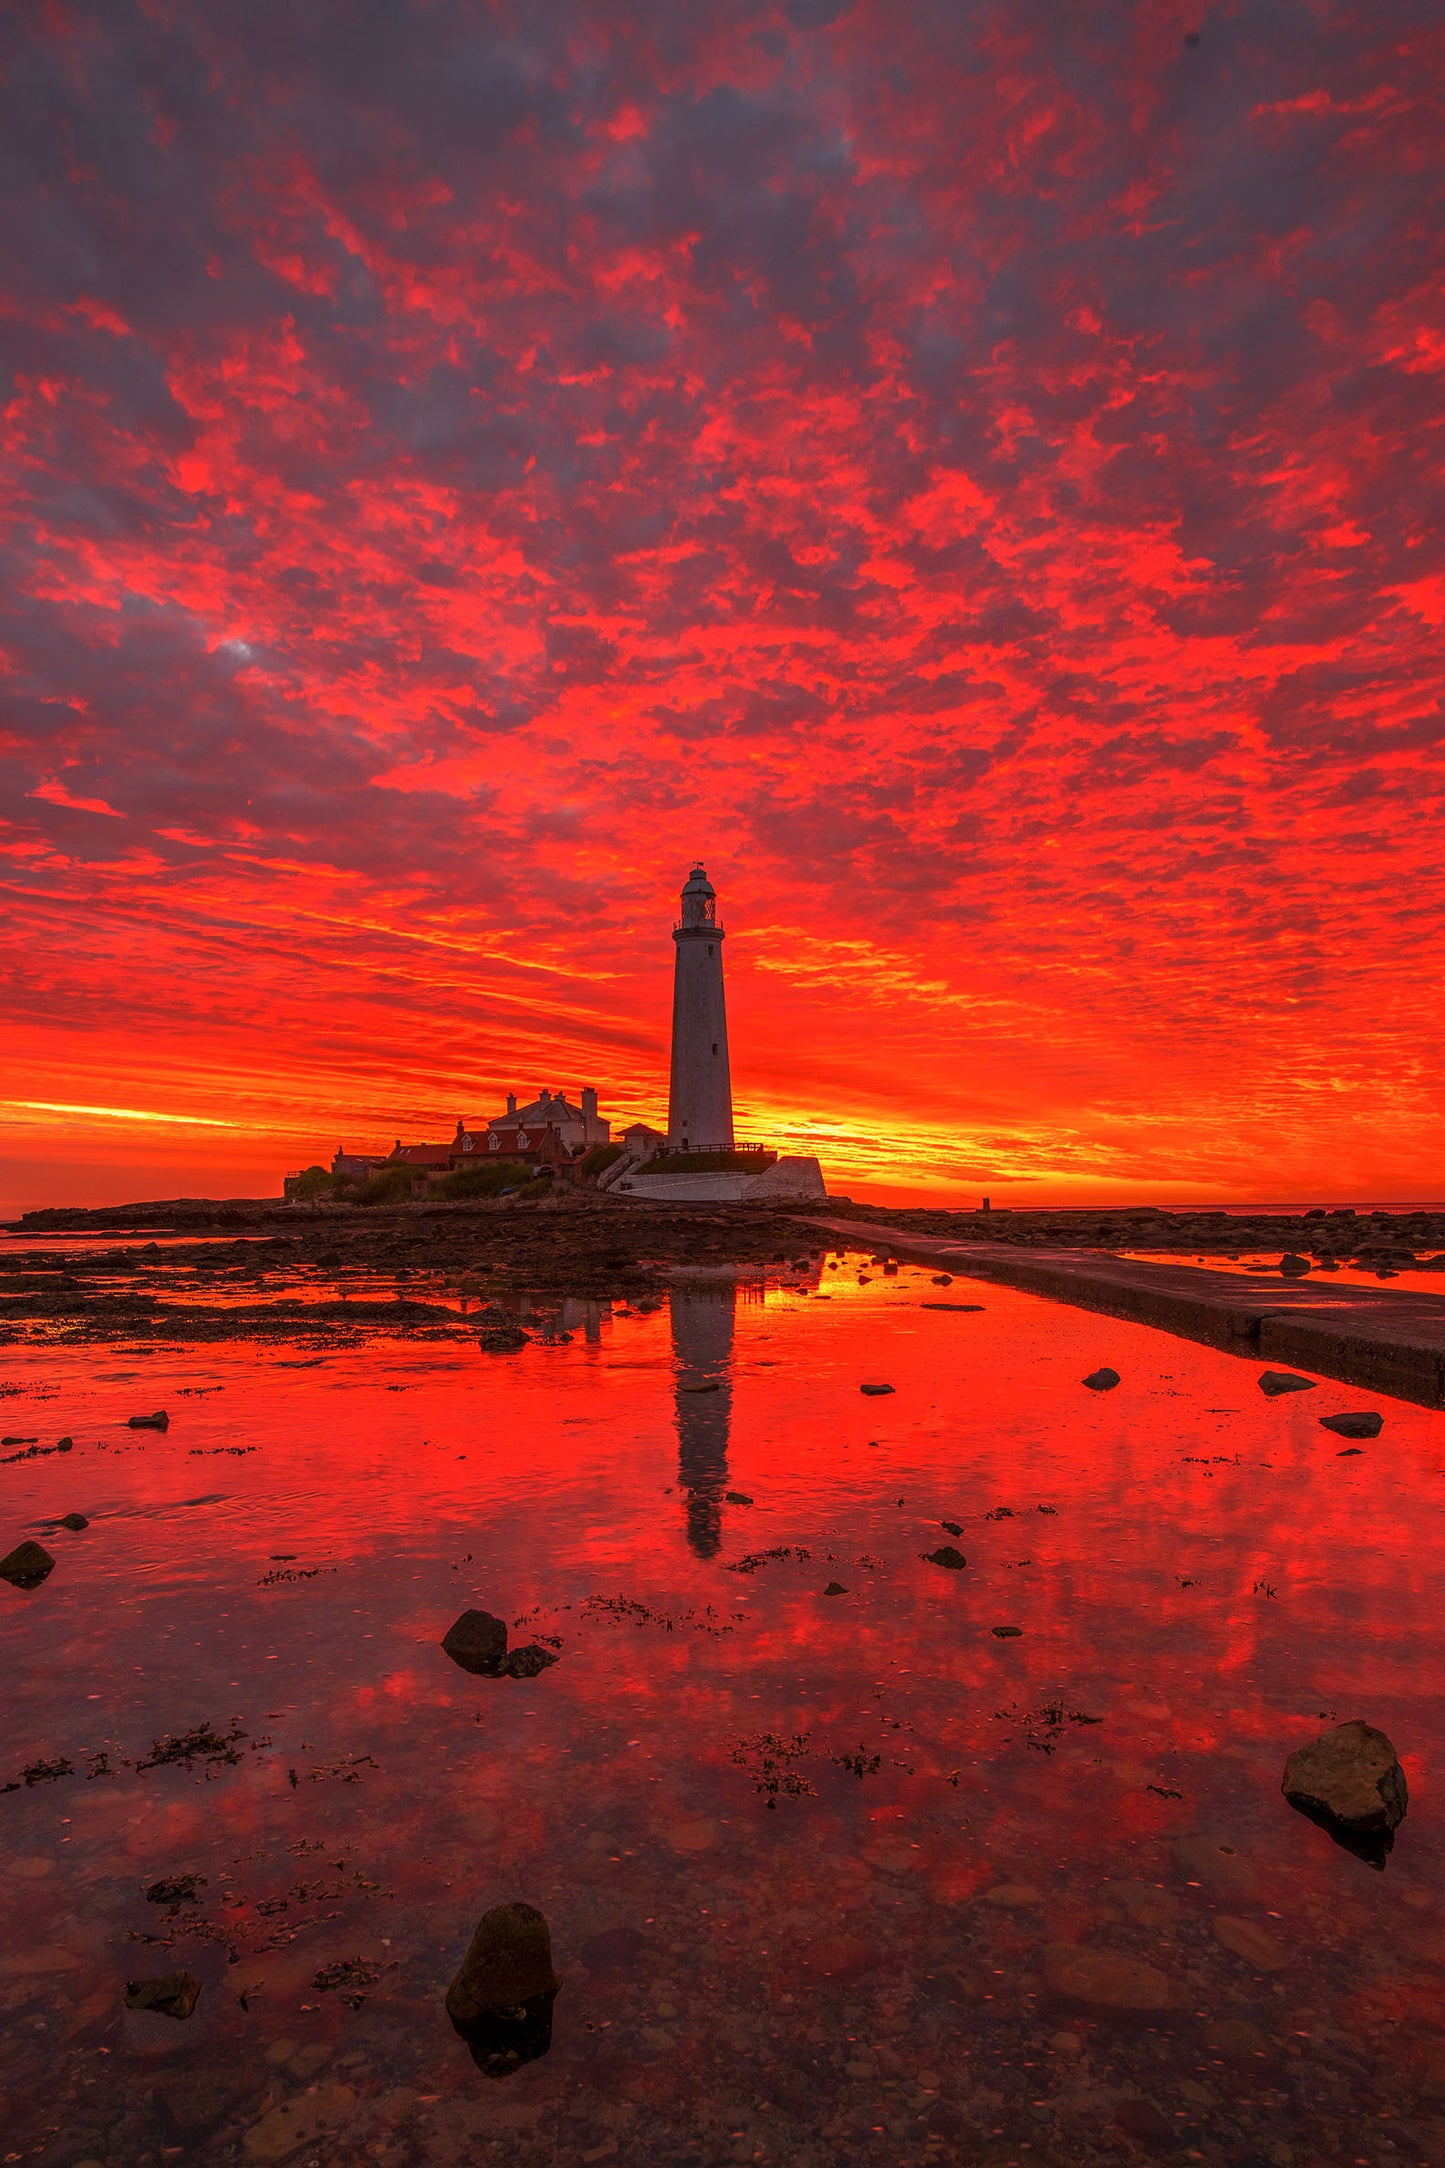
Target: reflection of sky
x=409 y=1482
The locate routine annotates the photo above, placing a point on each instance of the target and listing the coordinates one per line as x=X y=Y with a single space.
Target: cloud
x=968 y=472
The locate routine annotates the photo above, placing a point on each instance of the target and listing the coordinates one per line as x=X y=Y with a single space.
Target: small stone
x=1105 y=1979
x=1216 y=1866
x=74 y=1521
x=1012 y=1896
x=1235 y=2039
x=65 y=1445
x=873 y=1391
x=1066 y=2043
x=1354 y=1426
x=737 y=1498
x=159 y=1421
x=1102 y=1381
x=1274 y=1382
x=502 y=1339
x=1006 y=1633
x=528 y=1662
x=1348 y=1452
x=955 y=1528
x=297 y=2122
x=613 y=1948
x=1293 y=1266
x=943 y=1279
x=509 y=1963
x=478 y=1642
x=946 y=1555
x=197 y=2100
x=1349 y=1779
x=171 y=1994
x=835 y=1588
x=1146 y=2124
x=175 y=1889
x=27 y=1565
x=698 y=1385
x=1251 y=1942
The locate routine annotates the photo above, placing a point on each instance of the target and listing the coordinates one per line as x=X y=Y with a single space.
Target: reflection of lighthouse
x=700 y=1108
x=702 y=1342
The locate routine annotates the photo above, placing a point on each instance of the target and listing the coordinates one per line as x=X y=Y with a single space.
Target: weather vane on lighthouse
x=700 y=1104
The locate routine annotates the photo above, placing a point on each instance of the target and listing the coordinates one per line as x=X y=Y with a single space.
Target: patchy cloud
x=972 y=474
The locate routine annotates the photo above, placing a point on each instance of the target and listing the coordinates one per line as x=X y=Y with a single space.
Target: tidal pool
x=818 y=1867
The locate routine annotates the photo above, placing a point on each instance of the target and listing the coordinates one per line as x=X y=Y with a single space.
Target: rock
x=1066 y=2043
x=1348 y=1452
x=27 y=1565
x=955 y=1528
x=159 y=1421
x=508 y=1962
x=946 y=1555
x=197 y=2100
x=873 y=1391
x=943 y=1279
x=612 y=1948
x=1215 y=1865
x=737 y=1498
x=171 y=1994
x=1354 y=1426
x=1006 y=1633
x=1274 y=1382
x=501 y=1339
x=835 y=1588
x=1149 y=2126
x=1293 y=1266
x=478 y=1642
x=175 y=1889
x=1105 y=1979
x=299 y=2121
x=1012 y=1896
x=1102 y=1381
x=528 y=1662
x=958 y=1306
x=65 y=1445
x=698 y=1385
x=1253 y=1943
x=1350 y=1781
x=1235 y=2039
x=74 y=1521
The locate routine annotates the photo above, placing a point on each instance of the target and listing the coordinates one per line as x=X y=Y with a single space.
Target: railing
x=694 y=925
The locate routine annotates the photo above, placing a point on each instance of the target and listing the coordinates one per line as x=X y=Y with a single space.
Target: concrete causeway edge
x=1357 y=1335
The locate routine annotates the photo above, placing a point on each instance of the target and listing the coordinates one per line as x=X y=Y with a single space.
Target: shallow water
x=765 y=1953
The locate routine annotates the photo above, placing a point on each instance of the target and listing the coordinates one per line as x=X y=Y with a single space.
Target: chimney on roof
x=589 y=1101
x=543 y=1095
x=511 y=1102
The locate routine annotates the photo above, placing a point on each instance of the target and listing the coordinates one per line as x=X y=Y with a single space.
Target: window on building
x=714 y=1045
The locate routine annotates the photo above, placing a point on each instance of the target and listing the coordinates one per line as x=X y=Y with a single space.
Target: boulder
x=954 y=1528
x=1006 y=1633
x=1363 y=1425
x=478 y=1642
x=737 y=1498
x=1274 y=1382
x=501 y=1339
x=508 y=1964
x=74 y=1521
x=170 y=1994
x=946 y=1555
x=1105 y=1979
x=1350 y=1781
x=159 y=1421
x=874 y=1390
x=835 y=1588
x=1293 y=1266
x=526 y=1663
x=27 y=1565
x=1102 y=1381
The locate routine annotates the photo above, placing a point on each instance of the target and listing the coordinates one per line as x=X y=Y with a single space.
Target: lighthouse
x=700 y=1105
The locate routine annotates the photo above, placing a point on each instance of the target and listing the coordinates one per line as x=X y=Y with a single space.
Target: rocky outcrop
x=1349 y=1780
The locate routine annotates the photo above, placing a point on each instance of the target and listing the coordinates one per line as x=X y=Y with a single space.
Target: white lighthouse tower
x=700 y=1105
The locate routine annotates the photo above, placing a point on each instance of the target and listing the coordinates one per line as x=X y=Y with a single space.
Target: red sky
x=970 y=473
